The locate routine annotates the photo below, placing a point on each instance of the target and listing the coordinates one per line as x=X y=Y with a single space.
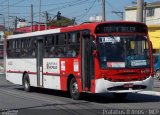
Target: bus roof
x=37 y=33
x=84 y=26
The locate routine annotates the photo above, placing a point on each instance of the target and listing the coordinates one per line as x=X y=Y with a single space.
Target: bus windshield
x=123 y=51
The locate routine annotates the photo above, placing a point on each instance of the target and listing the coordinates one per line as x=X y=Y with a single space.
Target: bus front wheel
x=26 y=83
x=75 y=94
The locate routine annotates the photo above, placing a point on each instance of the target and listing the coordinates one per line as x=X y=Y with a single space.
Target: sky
x=80 y=9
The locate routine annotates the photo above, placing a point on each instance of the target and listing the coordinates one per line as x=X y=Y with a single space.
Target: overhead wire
x=62 y=6
x=69 y=5
x=65 y=5
x=2 y=2
x=61 y=3
x=113 y=8
x=75 y=11
x=87 y=10
x=45 y=5
x=17 y=2
x=12 y=4
x=79 y=2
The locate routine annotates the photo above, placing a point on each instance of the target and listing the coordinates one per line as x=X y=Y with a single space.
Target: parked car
x=157 y=66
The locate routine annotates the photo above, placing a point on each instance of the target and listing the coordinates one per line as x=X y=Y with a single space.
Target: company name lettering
x=51 y=65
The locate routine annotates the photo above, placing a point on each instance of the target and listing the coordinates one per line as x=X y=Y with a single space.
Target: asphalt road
x=13 y=101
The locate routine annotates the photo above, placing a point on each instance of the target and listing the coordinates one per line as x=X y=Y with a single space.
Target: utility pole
x=8 y=17
x=46 y=25
x=103 y=11
x=144 y=12
x=39 y=26
x=31 y=17
x=3 y=21
x=15 y=23
x=140 y=4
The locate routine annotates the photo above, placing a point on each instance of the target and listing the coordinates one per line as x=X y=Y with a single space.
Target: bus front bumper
x=104 y=86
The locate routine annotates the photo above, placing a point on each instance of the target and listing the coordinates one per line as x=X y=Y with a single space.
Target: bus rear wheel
x=26 y=83
x=75 y=94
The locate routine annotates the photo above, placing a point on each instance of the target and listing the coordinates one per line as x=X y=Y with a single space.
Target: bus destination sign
x=116 y=28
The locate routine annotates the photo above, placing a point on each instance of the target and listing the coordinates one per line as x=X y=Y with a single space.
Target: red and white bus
x=95 y=57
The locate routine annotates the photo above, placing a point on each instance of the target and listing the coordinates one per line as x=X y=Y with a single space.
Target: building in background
x=21 y=24
x=151 y=18
x=95 y=18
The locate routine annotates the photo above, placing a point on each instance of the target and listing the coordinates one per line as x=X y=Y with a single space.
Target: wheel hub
x=26 y=84
x=74 y=88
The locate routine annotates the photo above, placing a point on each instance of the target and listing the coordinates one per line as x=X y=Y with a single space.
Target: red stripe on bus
x=46 y=73
x=9 y=71
x=51 y=74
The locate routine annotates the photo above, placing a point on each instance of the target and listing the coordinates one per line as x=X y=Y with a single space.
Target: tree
x=64 y=21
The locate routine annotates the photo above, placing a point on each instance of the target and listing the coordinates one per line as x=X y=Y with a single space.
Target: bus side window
x=71 y=52
x=24 y=49
x=9 y=48
x=17 y=49
x=62 y=45
x=33 y=47
x=73 y=44
x=49 y=49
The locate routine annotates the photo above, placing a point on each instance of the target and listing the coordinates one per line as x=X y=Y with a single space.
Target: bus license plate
x=129 y=85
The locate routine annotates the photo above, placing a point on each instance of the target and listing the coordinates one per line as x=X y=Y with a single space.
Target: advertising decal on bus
x=51 y=66
x=63 y=66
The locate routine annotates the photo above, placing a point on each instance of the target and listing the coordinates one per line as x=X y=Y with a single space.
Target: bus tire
x=120 y=96
x=26 y=83
x=74 y=93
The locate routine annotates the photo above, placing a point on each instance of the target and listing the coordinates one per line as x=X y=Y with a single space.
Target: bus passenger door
x=87 y=62
x=40 y=62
